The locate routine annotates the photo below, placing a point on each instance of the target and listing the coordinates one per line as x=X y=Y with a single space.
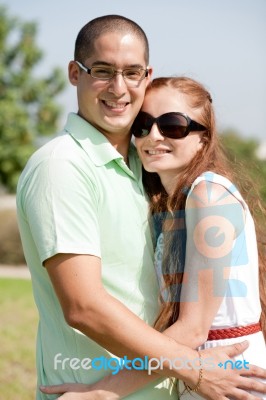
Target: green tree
x=27 y=102
x=242 y=154
x=251 y=174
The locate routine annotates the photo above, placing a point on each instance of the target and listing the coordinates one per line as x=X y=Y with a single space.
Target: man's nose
x=117 y=84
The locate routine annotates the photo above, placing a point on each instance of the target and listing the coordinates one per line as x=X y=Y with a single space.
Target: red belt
x=229 y=333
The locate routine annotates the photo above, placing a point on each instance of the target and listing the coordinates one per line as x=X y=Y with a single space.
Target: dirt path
x=8 y=271
x=7 y=201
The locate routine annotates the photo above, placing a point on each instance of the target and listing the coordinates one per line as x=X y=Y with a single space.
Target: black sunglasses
x=173 y=125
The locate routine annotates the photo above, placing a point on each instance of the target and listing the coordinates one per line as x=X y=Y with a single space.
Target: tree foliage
x=243 y=156
x=251 y=174
x=27 y=102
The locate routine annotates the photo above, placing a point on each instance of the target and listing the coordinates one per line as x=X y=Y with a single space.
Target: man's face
x=111 y=106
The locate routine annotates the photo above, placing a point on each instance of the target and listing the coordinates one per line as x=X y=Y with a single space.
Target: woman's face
x=167 y=157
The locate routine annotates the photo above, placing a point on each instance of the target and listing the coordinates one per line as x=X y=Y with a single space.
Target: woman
x=204 y=232
x=219 y=260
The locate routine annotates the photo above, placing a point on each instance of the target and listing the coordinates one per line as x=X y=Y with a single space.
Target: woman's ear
x=204 y=138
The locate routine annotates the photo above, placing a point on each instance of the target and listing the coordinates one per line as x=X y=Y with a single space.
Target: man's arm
x=88 y=307
x=216 y=384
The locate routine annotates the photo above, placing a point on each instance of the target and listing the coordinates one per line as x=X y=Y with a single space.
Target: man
x=83 y=222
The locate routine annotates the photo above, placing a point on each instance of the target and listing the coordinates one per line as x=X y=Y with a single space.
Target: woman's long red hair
x=210 y=158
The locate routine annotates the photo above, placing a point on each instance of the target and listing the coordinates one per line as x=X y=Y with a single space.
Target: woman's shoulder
x=213 y=177
x=210 y=187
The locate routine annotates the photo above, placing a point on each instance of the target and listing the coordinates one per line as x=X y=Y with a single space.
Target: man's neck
x=121 y=144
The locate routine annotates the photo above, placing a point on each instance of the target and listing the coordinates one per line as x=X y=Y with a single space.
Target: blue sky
x=220 y=43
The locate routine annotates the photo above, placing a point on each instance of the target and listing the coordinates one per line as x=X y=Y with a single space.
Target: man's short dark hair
x=84 y=45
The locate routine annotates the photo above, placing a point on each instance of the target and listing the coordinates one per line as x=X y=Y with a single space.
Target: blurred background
x=221 y=44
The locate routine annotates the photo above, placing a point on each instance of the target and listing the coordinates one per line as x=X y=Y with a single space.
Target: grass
x=18 y=329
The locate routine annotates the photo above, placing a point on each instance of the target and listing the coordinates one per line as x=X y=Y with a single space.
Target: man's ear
x=149 y=77
x=73 y=73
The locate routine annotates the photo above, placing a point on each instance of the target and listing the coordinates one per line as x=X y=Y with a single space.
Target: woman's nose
x=155 y=133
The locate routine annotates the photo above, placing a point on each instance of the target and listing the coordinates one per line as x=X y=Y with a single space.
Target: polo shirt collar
x=98 y=147
x=95 y=144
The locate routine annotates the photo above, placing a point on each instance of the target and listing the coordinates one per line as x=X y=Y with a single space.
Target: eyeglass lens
x=106 y=73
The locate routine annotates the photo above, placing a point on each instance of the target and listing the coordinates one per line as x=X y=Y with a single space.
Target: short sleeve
x=60 y=205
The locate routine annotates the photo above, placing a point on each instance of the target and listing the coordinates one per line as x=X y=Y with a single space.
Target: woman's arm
x=214 y=219
x=111 y=387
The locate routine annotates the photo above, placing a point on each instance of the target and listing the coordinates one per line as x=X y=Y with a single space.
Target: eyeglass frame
x=115 y=72
x=192 y=126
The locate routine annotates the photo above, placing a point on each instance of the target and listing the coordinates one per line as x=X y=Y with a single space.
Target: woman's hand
x=78 y=391
x=225 y=383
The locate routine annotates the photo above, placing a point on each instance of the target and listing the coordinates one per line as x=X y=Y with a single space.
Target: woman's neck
x=169 y=181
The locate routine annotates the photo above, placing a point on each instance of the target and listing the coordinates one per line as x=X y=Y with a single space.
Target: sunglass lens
x=141 y=126
x=173 y=126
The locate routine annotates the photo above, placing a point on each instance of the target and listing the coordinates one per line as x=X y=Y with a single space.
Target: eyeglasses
x=173 y=125
x=106 y=73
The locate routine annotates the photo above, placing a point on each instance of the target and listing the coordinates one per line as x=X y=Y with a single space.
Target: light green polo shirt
x=77 y=195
